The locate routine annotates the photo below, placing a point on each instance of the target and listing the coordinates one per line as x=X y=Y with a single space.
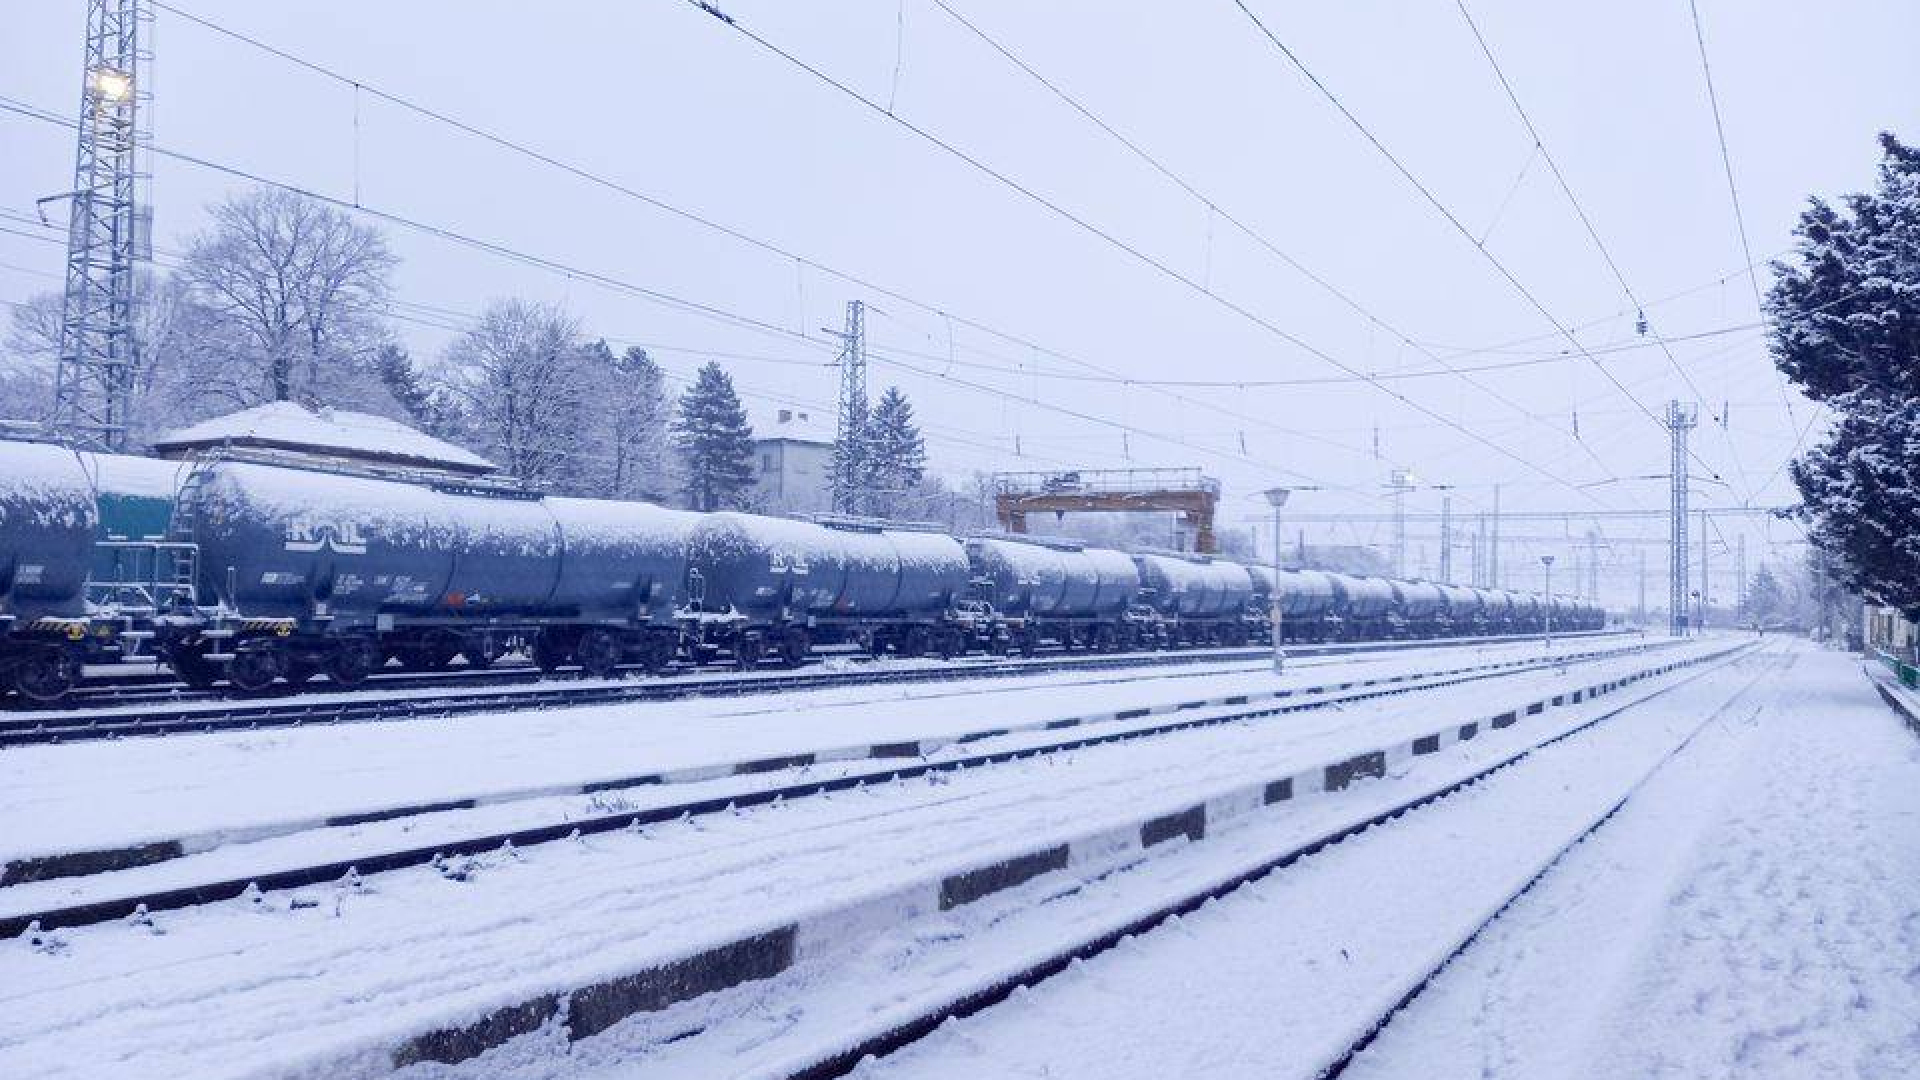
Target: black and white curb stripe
x=43 y=867
x=837 y=934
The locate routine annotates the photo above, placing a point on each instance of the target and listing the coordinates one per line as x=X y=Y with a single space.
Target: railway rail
x=386 y=703
x=903 y=1035
x=1141 y=727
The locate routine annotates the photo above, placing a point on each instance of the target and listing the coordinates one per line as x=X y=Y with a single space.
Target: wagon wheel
x=190 y=664
x=947 y=643
x=434 y=652
x=549 y=652
x=917 y=642
x=795 y=647
x=657 y=655
x=746 y=653
x=253 y=670
x=353 y=663
x=599 y=653
x=46 y=676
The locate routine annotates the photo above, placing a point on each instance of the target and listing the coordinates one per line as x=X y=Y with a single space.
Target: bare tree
x=296 y=289
x=522 y=384
x=32 y=352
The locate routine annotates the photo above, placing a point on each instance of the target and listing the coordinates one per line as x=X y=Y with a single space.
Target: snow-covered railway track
x=899 y=1049
x=998 y=745
x=415 y=965
x=459 y=696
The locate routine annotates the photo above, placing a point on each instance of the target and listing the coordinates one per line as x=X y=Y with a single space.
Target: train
x=262 y=568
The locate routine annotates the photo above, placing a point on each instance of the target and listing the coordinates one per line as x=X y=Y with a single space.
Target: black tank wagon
x=337 y=572
x=47 y=522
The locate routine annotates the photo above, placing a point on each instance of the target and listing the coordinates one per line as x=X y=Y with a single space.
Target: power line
x=1593 y=232
x=665 y=299
x=1215 y=209
x=1733 y=196
x=1441 y=208
x=1105 y=236
x=601 y=180
x=1726 y=158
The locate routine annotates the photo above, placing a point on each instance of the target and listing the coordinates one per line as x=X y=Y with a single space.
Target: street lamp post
x=1547 y=561
x=1277 y=498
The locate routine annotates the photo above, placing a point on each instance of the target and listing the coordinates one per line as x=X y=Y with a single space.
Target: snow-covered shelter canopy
x=329 y=433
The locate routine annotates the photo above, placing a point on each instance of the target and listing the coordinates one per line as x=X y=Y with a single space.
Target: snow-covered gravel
x=89 y=796
x=230 y=990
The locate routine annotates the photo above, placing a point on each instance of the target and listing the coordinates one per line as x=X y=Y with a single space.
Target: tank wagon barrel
x=256 y=569
x=47 y=522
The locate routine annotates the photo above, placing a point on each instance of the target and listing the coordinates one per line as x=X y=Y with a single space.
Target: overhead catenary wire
x=601 y=180
x=611 y=282
x=1216 y=210
x=1149 y=261
x=1733 y=194
x=1593 y=231
x=1432 y=200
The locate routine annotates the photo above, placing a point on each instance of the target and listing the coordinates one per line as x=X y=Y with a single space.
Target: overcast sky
x=672 y=104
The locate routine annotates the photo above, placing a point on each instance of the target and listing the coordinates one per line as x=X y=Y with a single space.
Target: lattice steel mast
x=107 y=232
x=850 y=446
x=1680 y=420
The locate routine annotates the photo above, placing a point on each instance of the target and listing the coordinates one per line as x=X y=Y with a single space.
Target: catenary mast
x=107 y=232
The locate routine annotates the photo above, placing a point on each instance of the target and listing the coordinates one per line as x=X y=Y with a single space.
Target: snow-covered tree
x=521 y=382
x=850 y=473
x=714 y=442
x=424 y=402
x=296 y=289
x=1766 y=597
x=896 y=453
x=1845 y=315
x=631 y=427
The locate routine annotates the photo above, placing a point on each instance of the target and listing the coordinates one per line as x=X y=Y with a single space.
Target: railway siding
x=833 y=935
x=33 y=867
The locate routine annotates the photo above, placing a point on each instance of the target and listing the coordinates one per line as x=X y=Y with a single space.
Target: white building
x=793 y=459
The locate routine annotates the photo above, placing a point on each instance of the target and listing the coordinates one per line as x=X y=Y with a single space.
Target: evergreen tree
x=427 y=406
x=897 y=455
x=1765 y=595
x=714 y=442
x=1846 y=327
x=850 y=473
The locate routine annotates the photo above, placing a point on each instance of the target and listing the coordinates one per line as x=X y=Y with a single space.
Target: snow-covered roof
x=796 y=422
x=286 y=425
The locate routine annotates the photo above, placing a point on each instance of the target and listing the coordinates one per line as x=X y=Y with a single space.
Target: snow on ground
x=93 y=795
x=1753 y=912
x=766 y=1030
x=262 y=851
x=228 y=990
x=1756 y=916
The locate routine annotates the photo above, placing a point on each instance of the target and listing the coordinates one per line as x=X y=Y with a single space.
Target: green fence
x=1908 y=675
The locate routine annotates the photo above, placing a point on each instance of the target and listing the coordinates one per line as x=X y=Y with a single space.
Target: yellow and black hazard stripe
x=71 y=629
